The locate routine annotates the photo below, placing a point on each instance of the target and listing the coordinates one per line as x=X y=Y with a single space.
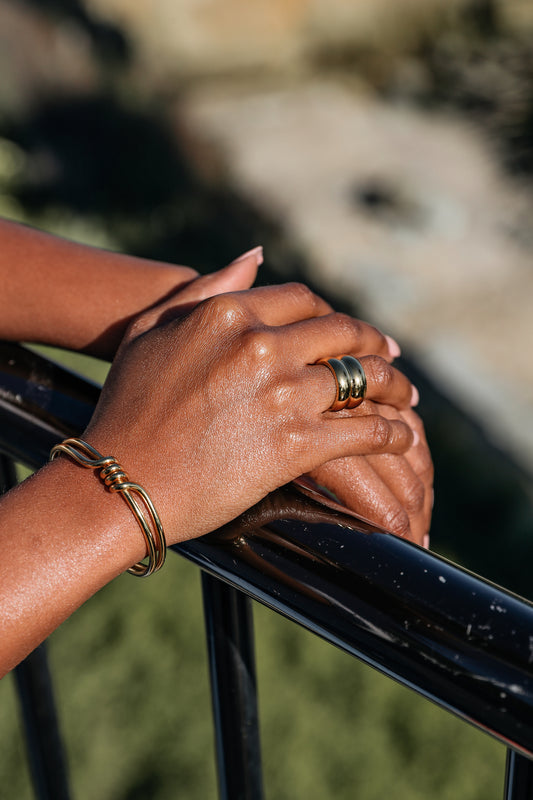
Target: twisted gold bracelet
x=116 y=480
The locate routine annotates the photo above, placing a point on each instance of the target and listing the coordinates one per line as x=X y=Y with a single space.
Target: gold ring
x=350 y=379
x=358 y=381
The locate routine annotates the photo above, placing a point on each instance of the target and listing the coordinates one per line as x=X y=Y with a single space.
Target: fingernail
x=394 y=347
x=416 y=438
x=415 y=397
x=426 y=541
x=255 y=251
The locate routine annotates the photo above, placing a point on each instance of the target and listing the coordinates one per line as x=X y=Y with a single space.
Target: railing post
x=34 y=686
x=43 y=740
x=229 y=628
x=518 y=777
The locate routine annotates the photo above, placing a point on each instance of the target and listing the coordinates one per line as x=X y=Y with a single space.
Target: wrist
x=63 y=538
x=85 y=530
x=116 y=481
x=117 y=289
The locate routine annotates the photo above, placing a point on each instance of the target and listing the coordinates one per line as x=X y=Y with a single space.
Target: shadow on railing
x=453 y=637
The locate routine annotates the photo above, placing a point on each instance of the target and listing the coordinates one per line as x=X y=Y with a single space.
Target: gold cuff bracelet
x=116 y=480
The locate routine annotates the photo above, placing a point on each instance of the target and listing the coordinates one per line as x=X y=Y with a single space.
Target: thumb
x=237 y=276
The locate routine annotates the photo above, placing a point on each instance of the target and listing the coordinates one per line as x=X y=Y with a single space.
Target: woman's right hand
x=213 y=410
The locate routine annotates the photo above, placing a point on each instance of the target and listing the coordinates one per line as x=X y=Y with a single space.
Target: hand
x=213 y=410
x=392 y=491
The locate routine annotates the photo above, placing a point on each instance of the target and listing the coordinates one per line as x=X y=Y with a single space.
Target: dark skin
x=213 y=400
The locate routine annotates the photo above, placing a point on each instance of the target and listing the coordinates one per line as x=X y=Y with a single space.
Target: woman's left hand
x=392 y=491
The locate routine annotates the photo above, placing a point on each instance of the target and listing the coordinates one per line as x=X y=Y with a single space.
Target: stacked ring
x=350 y=379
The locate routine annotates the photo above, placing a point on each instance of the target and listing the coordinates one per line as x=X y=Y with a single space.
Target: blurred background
x=381 y=151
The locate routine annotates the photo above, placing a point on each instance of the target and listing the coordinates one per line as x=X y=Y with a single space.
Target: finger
x=360 y=488
x=419 y=457
x=235 y=277
x=410 y=477
x=336 y=334
x=293 y=304
x=361 y=436
x=397 y=474
x=240 y=274
x=385 y=385
x=285 y=303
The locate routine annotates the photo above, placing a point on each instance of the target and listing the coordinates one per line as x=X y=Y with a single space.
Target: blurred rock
x=40 y=56
x=408 y=214
x=192 y=38
x=517 y=15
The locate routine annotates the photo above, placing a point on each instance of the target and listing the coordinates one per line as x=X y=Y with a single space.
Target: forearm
x=62 y=538
x=70 y=295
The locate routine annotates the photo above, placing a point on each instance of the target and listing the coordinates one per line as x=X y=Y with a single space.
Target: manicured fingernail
x=415 y=397
x=426 y=541
x=416 y=438
x=255 y=251
x=394 y=347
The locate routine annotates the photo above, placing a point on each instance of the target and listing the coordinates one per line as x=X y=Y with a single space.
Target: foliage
x=133 y=694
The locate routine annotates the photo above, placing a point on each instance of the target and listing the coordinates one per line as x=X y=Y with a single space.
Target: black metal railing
x=449 y=635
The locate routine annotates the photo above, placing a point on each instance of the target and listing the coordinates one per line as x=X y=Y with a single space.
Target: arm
x=77 y=297
x=62 y=537
x=238 y=370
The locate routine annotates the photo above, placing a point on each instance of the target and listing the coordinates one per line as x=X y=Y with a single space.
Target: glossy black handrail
x=453 y=637
x=457 y=639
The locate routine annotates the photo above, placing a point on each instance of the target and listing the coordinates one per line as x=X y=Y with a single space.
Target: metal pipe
x=518 y=777
x=229 y=628
x=46 y=758
x=458 y=640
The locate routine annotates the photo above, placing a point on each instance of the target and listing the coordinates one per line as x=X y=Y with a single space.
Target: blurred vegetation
x=109 y=166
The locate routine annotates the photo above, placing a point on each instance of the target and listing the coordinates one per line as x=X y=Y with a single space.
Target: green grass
x=132 y=689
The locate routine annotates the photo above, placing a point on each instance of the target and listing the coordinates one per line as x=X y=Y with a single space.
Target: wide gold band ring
x=358 y=380
x=350 y=379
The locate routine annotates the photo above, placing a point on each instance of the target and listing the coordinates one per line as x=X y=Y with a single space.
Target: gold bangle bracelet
x=116 y=480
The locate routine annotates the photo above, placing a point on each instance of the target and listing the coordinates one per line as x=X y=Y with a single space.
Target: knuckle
x=427 y=474
x=414 y=498
x=140 y=324
x=259 y=348
x=278 y=400
x=226 y=310
x=296 y=444
x=382 y=374
x=397 y=520
x=303 y=295
x=349 y=327
x=300 y=290
x=375 y=332
x=380 y=431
